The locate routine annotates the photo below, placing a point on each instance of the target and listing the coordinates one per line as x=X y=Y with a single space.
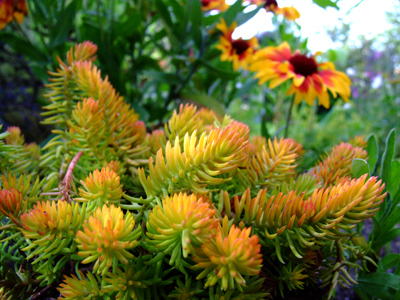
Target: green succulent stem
x=8 y=226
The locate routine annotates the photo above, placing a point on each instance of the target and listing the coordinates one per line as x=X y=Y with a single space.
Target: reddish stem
x=68 y=177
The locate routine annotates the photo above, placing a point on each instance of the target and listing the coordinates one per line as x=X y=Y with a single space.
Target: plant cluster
x=110 y=209
x=126 y=200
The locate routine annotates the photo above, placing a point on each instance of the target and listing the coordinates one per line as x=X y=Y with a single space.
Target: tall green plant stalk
x=289 y=117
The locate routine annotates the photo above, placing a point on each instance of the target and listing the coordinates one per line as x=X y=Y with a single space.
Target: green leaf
x=361 y=293
x=130 y=26
x=303 y=45
x=386 y=163
x=211 y=19
x=225 y=74
x=60 y=33
x=396 y=198
x=359 y=167
x=388 y=237
x=388 y=155
x=211 y=54
x=40 y=11
x=373 y=152
x=394 y=177
x=40 y=72
x=389 y=261
x=264 y=128
x=145 y=62
x=205 y=100
x=196 y=20
x=326 y=3
x=178 y=9
x=230 y=15
x=180 y=12
x=380 y=285
x=88 y=30
x=23 y=47
x=162 y=77
x=389 y=221
x=332 y=55
x=242 y=17
x=245 y=88
x=76 y=257
x=163 y=11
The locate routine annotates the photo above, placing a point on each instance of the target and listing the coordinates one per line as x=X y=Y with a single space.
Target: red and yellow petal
x=207 y=5
x=309 y=79
x=239 y=52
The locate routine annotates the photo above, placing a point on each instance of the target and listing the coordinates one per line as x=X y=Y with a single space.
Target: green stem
x=289 y=116
x=7 y=226
x=176 y=91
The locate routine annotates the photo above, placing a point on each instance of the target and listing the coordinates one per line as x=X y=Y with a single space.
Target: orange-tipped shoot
x=180 y=223
x=101 y=187
x=231 y=254
x=51 y=227
x=12 y=204
x=107 y=234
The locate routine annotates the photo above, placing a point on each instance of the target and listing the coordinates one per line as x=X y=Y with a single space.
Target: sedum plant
x=197 y=210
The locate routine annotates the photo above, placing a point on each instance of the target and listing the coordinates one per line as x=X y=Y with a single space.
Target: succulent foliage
x=112 y=209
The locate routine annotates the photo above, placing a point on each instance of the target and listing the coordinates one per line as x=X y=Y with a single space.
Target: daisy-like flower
x=239 y=52
x=309 y=79
x=290 y=13
x=207 y=5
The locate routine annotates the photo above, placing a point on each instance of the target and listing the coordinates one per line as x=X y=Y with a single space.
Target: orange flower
x=207 y=5
x=290 y=13
x=239 y=52
x=309 y=79
x=20 y=11
x=6 y=12
x=10 y=10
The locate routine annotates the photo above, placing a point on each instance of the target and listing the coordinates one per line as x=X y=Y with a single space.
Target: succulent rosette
x=229 y=256
x=107 y=234
x=181 y=223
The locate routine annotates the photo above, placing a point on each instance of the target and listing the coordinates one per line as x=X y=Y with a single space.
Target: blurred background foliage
x=160 y=53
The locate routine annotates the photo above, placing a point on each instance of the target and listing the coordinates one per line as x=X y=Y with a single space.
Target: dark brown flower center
x=304 y=65
x=240 y=46
x=205 y=3
x=268 y=3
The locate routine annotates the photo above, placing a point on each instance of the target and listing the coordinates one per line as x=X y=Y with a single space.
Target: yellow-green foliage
x=196 y=210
